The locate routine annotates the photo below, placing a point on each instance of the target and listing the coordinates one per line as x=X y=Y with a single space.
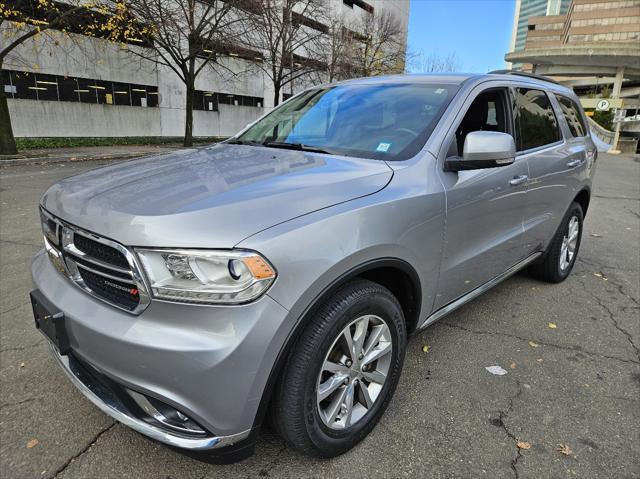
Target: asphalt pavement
x=569 y=405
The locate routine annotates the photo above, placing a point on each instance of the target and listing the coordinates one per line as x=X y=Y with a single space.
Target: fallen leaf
x=496 y=370
x=565 y=449
x=523 y=445
x=540 y=360
x=599 y=275
x=425 y=348
x=552 y=325
x=533 y=344
x=513 y=365
x=32 y=443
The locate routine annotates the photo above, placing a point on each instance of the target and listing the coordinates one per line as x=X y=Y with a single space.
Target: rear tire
x=342 y=372
x=558 y=260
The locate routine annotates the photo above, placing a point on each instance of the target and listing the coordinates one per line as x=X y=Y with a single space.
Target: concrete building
x=595 y=43
x=532 y=8
x=89 y=87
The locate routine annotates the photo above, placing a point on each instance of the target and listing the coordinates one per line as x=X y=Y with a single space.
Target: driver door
x=485 y=207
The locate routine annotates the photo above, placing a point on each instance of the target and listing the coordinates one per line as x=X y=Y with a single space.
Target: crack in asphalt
x=19 y=243
x=615 y=323
x=610 y=313
x=14 y=308
x=93 y=440
x=17 y=403
x=502 y=415
x=22 y=348
x=544 y=343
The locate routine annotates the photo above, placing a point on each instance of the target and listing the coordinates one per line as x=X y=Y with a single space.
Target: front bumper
x=209 y=362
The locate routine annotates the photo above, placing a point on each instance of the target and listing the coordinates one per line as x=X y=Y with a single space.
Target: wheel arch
x=583 y=198
x=395 y=274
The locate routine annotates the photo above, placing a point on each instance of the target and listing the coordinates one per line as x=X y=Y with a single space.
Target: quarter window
x=536 y=123
x=572 y=114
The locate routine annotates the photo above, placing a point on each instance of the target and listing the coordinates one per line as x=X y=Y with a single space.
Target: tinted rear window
x=572 y=114
x=536 y=123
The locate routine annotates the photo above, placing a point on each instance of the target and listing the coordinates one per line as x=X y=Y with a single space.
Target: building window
x=40 y=86
x=205 y=101
x=359 y=3
x=239 y=100
x=299 y=19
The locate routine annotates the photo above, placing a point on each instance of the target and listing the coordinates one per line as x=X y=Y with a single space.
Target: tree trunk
x=7 y=141
x=188 y=124
x=276 y=94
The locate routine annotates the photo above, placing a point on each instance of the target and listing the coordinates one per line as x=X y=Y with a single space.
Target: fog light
x=166 y=415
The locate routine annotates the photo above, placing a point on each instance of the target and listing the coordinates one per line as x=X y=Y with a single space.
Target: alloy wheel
x=354 y=372
x=569 y=243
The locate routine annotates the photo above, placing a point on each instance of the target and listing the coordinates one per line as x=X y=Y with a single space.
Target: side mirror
x=484 y=149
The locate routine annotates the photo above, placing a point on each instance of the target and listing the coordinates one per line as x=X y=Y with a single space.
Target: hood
x=210 y=197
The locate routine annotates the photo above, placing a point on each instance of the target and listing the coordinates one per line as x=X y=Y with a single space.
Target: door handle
x=518 y=180
x=574 y=163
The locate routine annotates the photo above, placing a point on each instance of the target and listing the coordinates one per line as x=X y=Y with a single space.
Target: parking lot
x=569 y=405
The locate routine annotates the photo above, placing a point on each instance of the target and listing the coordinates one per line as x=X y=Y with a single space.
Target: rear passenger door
x=540 y=141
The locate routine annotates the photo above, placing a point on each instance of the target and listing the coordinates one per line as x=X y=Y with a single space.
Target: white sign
x=603 y=105
x=619 y=115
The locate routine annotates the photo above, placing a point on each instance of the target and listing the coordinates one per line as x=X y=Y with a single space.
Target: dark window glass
x=121 y=94
x=198 y=100
x=8 y=88
x=67 y=87
x=536 y=122
x=138 y=95
x=225 y=99
x=47 y=87
x=104 y=91
x=152 y=96
x=25 y=83
x=573 y=116
x=86 y=91
x=487 y=113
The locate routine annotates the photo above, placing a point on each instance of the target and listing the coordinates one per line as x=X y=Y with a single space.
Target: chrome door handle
x=574 y=163
x=518 y=180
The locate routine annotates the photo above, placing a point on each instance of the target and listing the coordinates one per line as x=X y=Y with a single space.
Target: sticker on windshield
x=383 y=147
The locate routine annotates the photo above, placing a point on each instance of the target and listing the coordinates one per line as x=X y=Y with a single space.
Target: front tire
x=558 y=261
x=342 y=372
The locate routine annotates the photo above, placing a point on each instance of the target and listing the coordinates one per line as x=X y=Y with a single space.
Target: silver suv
x=279 y=273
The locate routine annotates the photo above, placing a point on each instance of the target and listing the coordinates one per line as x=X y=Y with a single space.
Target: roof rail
x=524 y=74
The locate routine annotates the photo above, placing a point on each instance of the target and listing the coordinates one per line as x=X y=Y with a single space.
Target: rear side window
x=536 y=123
x=572 y=114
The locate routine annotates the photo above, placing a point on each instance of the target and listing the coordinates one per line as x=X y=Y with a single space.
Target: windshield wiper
x=296 y=146
x=243 y=142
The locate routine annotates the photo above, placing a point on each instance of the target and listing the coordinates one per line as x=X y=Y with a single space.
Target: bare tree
x=434 y=63
x=22 y=21
x=188 y=36
x=287 y=31
x=381 y=49
x=337 y=49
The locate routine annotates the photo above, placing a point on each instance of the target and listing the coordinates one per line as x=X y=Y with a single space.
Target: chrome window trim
x=70 y=267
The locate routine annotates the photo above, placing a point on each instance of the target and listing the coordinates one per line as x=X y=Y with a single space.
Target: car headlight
x=206 y=276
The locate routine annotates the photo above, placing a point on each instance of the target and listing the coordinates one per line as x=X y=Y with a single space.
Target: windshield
x=388 y=122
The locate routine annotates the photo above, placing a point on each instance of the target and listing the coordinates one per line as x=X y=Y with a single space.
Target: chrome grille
x=101 y=267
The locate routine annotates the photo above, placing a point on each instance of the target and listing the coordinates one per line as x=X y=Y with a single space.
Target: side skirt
x=476 y=292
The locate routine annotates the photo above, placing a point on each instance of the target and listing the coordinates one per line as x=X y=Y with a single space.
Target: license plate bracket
x=50 y=321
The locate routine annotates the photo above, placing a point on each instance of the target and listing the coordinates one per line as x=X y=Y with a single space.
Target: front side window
x=389 y=122
x=572 y=114
x=536 y=123
x=488 y=112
